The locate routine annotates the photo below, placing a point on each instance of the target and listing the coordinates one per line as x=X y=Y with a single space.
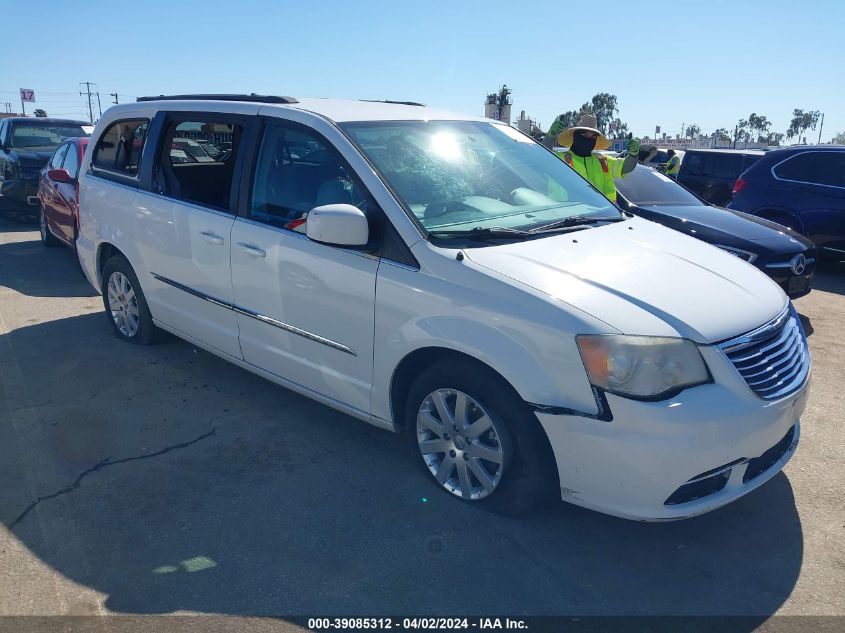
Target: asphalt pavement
x=165 y=480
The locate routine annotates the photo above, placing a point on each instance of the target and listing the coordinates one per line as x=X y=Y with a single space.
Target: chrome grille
x=773 y=359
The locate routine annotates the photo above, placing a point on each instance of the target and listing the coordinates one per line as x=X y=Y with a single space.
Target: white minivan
x=447 y=277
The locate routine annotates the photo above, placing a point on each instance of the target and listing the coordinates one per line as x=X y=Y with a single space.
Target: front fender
x=527 y=340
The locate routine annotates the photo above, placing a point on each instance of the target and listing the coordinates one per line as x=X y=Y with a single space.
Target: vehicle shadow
x=18 y=221
x=807 y=324
x=30 y=268
x=168 y=479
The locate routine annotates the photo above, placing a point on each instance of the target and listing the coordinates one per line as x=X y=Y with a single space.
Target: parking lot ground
x=163 y=479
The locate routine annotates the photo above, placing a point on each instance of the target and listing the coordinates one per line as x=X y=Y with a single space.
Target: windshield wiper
x=482 y=233
x=575 y=221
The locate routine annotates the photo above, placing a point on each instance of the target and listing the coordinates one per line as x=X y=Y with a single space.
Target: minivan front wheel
x=476 y=439
x=460 y=443
x=125 y=304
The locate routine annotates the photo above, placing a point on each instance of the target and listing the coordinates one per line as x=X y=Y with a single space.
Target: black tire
x=529 y=474
x=48 y=239
x=146 y=333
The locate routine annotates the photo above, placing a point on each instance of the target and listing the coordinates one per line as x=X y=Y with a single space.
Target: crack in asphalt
x=102 y=464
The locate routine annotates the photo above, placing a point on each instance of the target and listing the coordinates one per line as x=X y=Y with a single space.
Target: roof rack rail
x=409 y=103
x=225 y=97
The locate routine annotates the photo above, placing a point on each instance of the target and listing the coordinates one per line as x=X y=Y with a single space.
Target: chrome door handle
x=212 y=238
x=253 y=250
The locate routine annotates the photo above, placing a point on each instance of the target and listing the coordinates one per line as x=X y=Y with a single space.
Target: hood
x=642 y=278
x=723 y=226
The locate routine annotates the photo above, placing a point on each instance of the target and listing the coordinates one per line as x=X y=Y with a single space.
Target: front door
x=305 y=310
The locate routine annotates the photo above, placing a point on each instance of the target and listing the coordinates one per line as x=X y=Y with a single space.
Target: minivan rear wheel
x=125 y=304
x=476 y=439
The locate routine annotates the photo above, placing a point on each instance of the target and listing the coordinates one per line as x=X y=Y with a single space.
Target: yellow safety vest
x=598 y=169
x=673 y=165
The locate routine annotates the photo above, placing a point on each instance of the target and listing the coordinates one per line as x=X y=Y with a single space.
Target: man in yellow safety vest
x=598 y=169
x=673 y=165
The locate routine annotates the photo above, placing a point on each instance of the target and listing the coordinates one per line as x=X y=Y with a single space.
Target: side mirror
x=59 y=175
x=338 y=224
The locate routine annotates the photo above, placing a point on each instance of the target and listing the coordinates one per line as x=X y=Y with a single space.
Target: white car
x=455 y=282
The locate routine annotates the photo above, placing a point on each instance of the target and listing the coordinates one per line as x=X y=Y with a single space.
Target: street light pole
x=820 y=129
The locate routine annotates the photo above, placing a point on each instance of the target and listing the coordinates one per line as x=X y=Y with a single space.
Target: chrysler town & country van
x=446 y=277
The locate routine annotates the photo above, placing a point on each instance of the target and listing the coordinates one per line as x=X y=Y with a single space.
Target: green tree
x=801 y=122
x=692 y=130
x=774 y=138
x=563 y=121
x=759 y=126
x=603 y=105
x=839 y=139
x=741 y=132
x=722 y=134
x=40 y=113
x=617 y=128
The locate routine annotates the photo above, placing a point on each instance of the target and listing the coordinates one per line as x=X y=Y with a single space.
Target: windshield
x=464 y=175
x=645 y=186
x=29 y=136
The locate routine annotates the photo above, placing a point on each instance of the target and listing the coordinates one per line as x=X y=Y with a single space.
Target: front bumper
x=631 y=466
x=19 y=195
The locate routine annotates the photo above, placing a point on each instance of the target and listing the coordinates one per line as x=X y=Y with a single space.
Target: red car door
x=48 y=188
x=65 y=199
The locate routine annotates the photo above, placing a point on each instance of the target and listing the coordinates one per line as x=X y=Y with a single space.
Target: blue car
x=802 y=188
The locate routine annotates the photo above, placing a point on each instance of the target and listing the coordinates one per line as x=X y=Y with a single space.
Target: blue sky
x=669 y=63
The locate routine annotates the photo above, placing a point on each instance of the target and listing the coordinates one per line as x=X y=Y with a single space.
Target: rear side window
x=58 y=156
x=197 y=161
x=119 y=148
x=71 y=163
x=821 y=168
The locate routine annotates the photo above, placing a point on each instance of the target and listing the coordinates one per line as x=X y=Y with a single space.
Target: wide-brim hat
x=587 y=122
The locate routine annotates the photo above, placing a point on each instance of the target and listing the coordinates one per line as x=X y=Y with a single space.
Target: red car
x=58 y=192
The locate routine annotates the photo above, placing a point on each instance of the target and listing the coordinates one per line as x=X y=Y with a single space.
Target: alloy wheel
x=123 y=304
x=460 y=444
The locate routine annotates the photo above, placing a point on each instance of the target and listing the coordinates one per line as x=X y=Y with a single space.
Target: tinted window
x=645 y=186
x=297 y=171
x=119 y=148
x=42 y=135
x=714 y=165
x=824 y=168
x=197 y=163
x=72 y=160
x=58 y=156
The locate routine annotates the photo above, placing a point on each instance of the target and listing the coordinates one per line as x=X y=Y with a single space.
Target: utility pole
x=99 y=105
x=114 y=94
x=8 y=105
x=820 y=129
x=88 y=85
x=736 y=131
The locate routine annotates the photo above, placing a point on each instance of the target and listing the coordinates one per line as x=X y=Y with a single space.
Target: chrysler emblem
x=799 y=264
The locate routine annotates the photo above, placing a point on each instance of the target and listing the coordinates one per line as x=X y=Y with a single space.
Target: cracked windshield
x=465 y=175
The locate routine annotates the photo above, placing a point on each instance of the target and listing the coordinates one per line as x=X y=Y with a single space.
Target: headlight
x=641 y=366
x=743 y=255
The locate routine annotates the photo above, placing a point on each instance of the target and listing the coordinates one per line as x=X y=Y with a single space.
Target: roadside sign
x=27 y=95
